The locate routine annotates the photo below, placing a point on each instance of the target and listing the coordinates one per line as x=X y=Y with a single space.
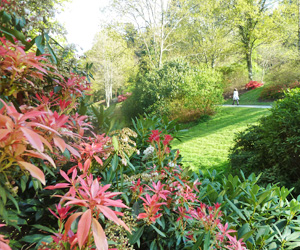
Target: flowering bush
x=253 y=85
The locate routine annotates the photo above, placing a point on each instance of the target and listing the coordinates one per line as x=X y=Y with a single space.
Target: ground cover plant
x=207 y=144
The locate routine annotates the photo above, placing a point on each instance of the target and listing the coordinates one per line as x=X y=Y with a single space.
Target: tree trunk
x=249 y=64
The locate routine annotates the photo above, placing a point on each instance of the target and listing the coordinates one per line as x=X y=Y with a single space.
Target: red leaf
x=84 y=226
x=60 y=143
x=33 y=138
x=34 y=171
x=69 y=223
x=99 y=236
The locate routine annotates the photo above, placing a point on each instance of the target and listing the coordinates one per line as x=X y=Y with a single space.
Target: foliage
x=276 y=91
x=33 y=137
x=235 y=76
x=170 y=208
x=266 y=218
x=177 y=81
x=273 y=145
x=253 y=85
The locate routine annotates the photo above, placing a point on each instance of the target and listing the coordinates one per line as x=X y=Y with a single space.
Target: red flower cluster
x=253 y=85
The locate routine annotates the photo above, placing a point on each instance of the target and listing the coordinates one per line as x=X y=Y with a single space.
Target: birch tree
x=113 y=62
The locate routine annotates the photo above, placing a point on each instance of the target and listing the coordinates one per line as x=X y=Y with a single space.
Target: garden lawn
x=206 y=145
x=250 y=97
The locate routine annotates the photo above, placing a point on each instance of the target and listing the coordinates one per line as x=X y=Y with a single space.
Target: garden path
x=248 y=106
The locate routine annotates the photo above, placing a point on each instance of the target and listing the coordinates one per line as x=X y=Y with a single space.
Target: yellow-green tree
x=113 y=62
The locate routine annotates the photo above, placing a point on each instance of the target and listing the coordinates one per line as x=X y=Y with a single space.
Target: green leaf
x=3 y=195
x=198 y=242
x=158 y=231
x=66 y=154
x=115 y=143
x=136 y=235
x=236 y=209
x=44 y=228
x=6 y=17
x=13 y=201
x=39 y=43
x=206 y=241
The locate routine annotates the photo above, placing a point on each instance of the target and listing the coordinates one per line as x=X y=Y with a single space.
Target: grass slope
x=250 y=98
x=206 y=145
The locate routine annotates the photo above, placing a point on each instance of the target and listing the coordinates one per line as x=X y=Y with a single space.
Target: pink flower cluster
x=122 y=98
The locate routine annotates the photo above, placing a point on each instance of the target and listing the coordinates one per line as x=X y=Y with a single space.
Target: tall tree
x=208 y=31
x=254 y=21
x=156 y=21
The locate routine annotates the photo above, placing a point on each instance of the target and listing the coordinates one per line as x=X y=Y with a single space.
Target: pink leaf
x=86 y=165
x=99 y=236
x=63 y=174
x=4 y=132
x=46 y=143
x=108 y=213
x=4 y=246
x=98 y=160
x=31 y=114
x=84 y=226
x=33 y=138
x=41 y=156
x=34 y=171
x=60 y=143
x=59 y=185
x=72 y=150
x=36 y=124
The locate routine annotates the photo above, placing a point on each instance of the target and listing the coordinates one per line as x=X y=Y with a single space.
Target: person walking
x=235 y=97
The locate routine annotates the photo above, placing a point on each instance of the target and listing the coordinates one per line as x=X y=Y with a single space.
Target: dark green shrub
x=263 y=217
x=160 y=90
x=273 y=146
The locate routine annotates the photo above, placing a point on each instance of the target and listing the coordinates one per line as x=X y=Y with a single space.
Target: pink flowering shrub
x=122 y=98
x=253 y=85
x=171 y=209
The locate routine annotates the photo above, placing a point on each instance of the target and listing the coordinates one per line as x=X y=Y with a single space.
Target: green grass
x=250 y=98
x=206 y=145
